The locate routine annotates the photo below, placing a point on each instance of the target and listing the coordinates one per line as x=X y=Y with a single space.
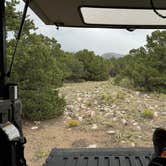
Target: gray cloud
x=98 y=40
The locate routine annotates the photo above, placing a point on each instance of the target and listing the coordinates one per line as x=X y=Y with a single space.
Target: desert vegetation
x=41 y=67
x=92 y=101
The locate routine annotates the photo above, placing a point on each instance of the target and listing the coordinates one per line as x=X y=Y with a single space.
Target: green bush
x=42 y=104
x=73 y=123
x=123 y=82
x=145 y=66
x=148 y=114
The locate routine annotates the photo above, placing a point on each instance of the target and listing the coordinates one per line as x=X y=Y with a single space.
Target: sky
x=98 y=40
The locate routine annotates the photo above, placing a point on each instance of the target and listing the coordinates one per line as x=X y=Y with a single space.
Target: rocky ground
x=98 y=114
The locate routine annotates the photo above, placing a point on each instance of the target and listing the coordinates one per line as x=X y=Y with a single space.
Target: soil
x=109 y=116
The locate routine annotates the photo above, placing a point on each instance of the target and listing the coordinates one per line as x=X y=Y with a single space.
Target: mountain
x=112 y=54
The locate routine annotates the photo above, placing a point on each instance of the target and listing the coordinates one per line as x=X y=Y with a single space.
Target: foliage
x=73 y=123
x=83 y=65
x=148 y=113
x=95 y=67
x=42 y=104
x=14 y=19
x=36 y=72
x=144 y=68
x=35 y=68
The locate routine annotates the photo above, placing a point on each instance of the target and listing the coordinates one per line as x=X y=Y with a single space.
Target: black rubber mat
x=99 y=157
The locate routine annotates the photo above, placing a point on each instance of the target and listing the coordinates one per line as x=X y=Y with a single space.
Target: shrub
x=88 y=104
x=124 y=82
x=105 y=97
x=148 y=113
x=73 y=123
x=42 y=104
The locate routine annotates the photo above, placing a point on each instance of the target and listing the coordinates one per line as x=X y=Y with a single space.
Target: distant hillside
x=111 y=54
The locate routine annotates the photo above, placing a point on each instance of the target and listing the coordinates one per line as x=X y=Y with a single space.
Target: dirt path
x=109 y=116
x=53 y=134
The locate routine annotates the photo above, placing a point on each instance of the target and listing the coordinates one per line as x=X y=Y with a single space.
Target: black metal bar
x=18 y=36
x=3 y=59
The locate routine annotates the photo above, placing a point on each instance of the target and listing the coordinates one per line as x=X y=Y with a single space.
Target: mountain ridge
x=109 y=55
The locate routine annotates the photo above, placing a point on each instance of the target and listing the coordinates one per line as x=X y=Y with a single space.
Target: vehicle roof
x=69 y=13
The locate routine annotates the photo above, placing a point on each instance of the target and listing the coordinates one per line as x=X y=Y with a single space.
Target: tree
x=35 y=69
x=95 y=67
x=14 y=19
x=146 y=67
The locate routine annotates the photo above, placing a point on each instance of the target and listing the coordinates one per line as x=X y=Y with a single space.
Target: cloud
x=98 y=40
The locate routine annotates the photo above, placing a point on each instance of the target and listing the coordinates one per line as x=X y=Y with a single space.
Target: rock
x=138 y=128
x=68 y=118
x=123 y=142
x=80 y=118
x=94 y=127
x=115 y=119
x=163 y=112
x=147 y=96
x=76 y=108
x=70 y=107
x=123 y=112
x=124 y=121
x=113 y=106
x=93 y=114
x=92 y=146
x=82 y=106
x=111 y=132
x=37 y=122
x=79 y=99
x=135 y=124
x=108 y=115
x=34 y=127
x=132 y=144
x=155 y=114
x=95 y=102
x=102 y=110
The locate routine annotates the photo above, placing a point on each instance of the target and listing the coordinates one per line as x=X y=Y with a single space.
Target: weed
x=89 y=104
x=105 y=97
x=41 y=154
x=148 y=113
x=73 y=123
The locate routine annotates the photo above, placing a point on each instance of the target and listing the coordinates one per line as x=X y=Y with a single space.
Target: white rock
x=124 y=121
x=93 y=114
x=163 y=113
x=138 y=128
x=34 y=127
x=68 y=118
x=108 y=115
x=92 y=146
x=111 y=132
x=79 y=99
x=113 y=106
x=82 y=106
x=132 y=144
x=95 y=102
x=156 y=114
x=135 y=124
x=80 y=118
x=94 y=127
x=70 y=107
x=37 y=122
x=114 y=119
x=123 y=112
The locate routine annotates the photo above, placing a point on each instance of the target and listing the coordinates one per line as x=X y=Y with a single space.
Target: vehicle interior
x=117 y=14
